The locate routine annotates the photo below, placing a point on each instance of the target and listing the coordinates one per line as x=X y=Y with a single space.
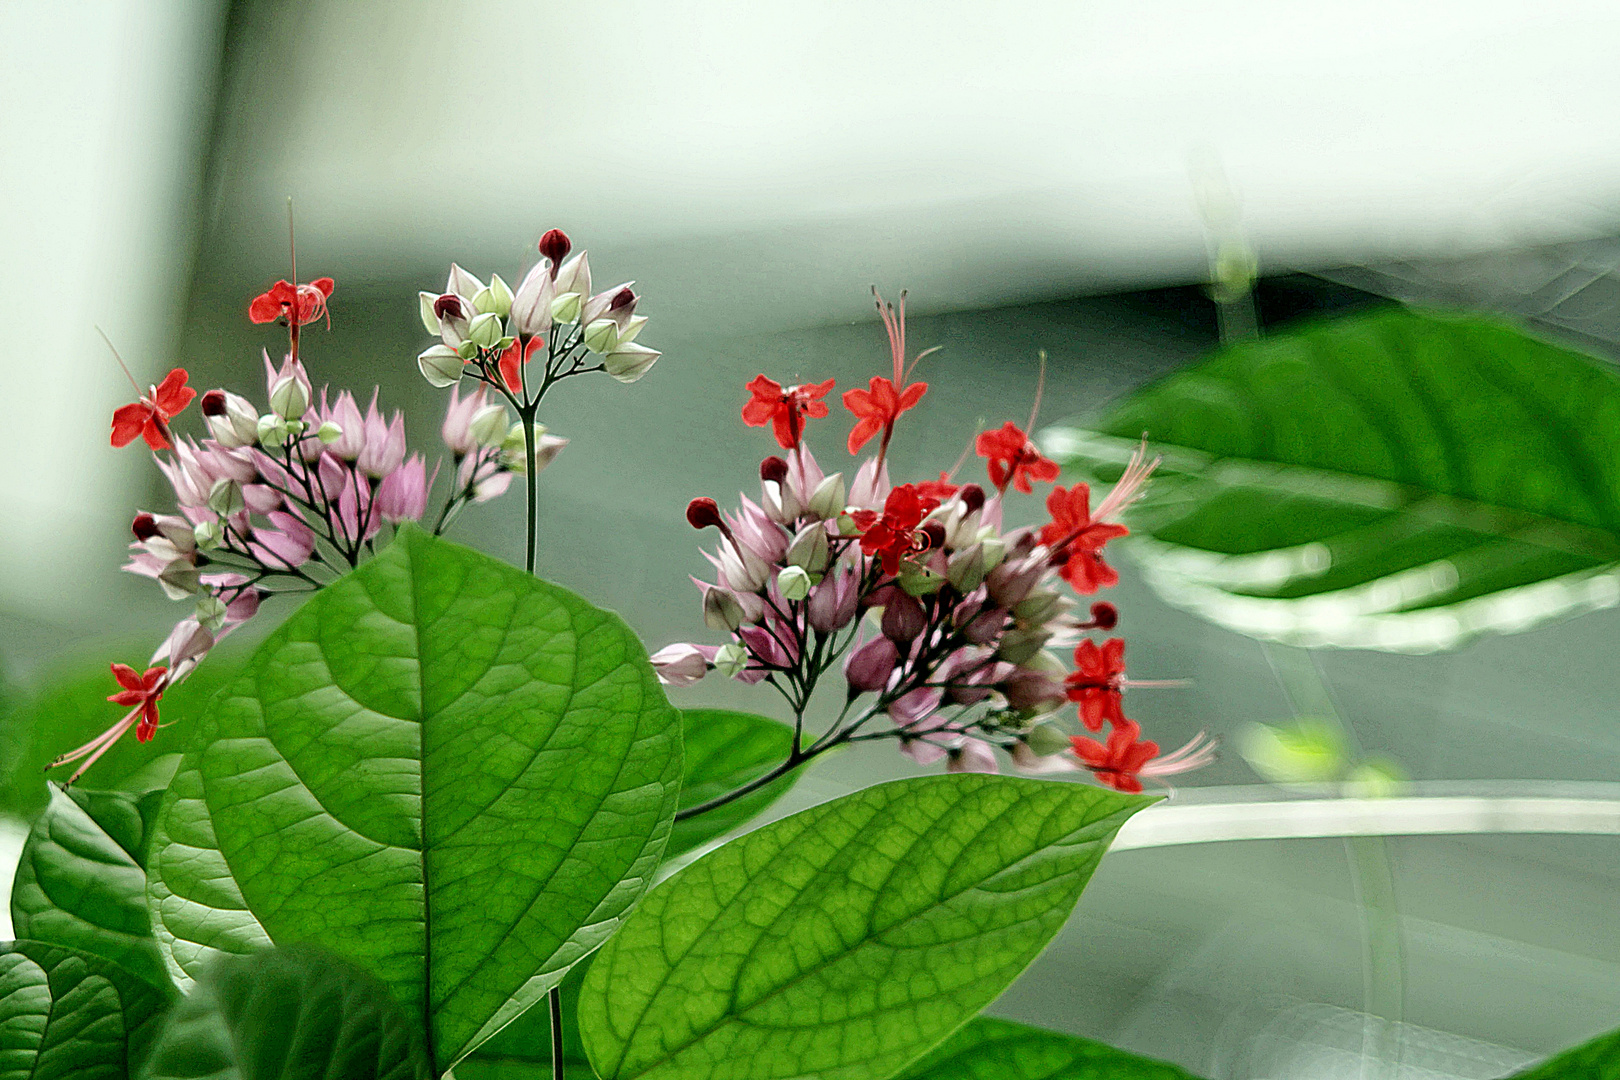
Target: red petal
x=153 y=434
x=911 y=395
x=265 y=308
x=325 y=285
x=127 y=423
x=173 y=394
x=152 y=676
x=126 y=676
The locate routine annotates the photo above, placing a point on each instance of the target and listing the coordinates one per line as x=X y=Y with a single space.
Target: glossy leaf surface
x=67 y=1015
x=81 y=878
x=440 y=767
x=1396 y=480
x=844 y=941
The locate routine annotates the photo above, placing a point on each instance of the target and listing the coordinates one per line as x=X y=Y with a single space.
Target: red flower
x=785 y=409
x=1078 y=540
x=300 y=304
x=893 y=534
x=880 y=405
x=1118 y=763
x=150 y=416
x=511 y=369
x=1013 y=456
x=1096 y=681
x=142 y=692
x=938 y=490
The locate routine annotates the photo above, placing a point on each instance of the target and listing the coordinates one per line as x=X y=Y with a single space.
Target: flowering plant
x=419 y=831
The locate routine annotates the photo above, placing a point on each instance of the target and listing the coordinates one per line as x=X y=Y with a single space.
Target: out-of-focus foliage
x=1397 y=480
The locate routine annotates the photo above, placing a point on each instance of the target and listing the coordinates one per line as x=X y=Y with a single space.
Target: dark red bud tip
x=774 y=469
x=934 y=534
x=1104 y=616
x=144 y=527
x=702 y=513
x=448 y=306
x=972 y=496
x=555 y=246
x=213 y=403
x=622 y=299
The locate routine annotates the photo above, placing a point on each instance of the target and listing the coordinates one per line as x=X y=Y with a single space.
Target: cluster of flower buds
x=284 y=498
x=493 y=332
x=946 y=627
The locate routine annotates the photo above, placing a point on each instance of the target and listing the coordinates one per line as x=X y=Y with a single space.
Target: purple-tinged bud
x=213 y=403
x=449 y=306
x=623 y=301
x=1018 y=646
x=703 y=512
x=555 y=246
x=1033 y=691
x=934 y=533
x=965 y=570
x=773 y=469
x=1104 y=616
x=903 y=618
x=681 y=664
x=972 y=496
x=1010 y=582
x=144 y=527
x=834 y=603
x=869 y=667
x=721 y=609
x=985 y=627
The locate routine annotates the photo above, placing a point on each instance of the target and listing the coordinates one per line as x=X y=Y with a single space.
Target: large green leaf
x=1394 y=480
x=1595 y=1060
x=846 y=940
x=289 y=1014
x=452 y=773
x=725 y=750
x=81 y=879
x=988 y=1049
x=66 y=1014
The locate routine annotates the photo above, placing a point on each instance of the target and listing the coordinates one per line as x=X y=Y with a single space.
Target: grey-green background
x=754 y=175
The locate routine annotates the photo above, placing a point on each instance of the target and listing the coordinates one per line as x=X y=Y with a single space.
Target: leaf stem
x=556 y=1034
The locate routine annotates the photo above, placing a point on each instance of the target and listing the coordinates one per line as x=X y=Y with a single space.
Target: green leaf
x=71 y=708
x=987 y=1049
x=844 y=941
x=68 y=1014
x=1396 y=480
x=454 y=774
x=81 y=879
x=725 y=750
x=1595 y=1060
x=290 y=1014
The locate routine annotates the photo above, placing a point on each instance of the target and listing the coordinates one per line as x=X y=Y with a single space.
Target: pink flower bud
x=682 y=664
x=869 y=667
x=834 y=602
x=903 y=618
x=1033 y=691
x=531 y=305
x=402 y=495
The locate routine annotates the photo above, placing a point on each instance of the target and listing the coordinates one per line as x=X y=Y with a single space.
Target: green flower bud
x=208 y=534
x=602 y=335
x=441 y=365
x=210 y=611
x=1045 y=740
x=565 y=307
x=730 y=660
x=225 y=498
x=485 y=330
x=793 y=582
x=488 y=426
x=827 y=501
x=494 y=298
x=329 y=432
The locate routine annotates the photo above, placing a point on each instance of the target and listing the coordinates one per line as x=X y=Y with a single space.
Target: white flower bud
x=237 y=425
x=574 y=276
x=995 y=550
x=793 y=582
x=441 y=365
x=531 y=306
x=462 y=283
x=429 y=318
x=210 y=612
x=565 y=307
x=602 y=336
x=329 y=432
x=731 y=660
x=485 y=330
x=809 y=549
x=272 y=430
x=632 y=327
x=966 y=569
x=289 y=398
x=627 y=363
x=494 y=298
x=207 y=534
x=179 y=579
x=1046 y=740
x=225 y=498
x=827 y=501
x=721 y=609
x=488 y=425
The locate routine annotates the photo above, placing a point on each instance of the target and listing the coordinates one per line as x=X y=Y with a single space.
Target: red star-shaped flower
x=880 y=405
x=1014 y=457
x=785 y=409
x=938 y=490
x=1118 y=762
x=141 y=692
x=149 y=417
x=299 y=304
x=1078 y=540
x=1096 y=682
x=893 y=534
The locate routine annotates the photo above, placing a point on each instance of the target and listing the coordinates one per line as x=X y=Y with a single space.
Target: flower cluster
x=944 y=625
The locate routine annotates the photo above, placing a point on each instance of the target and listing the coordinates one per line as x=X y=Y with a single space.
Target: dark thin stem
x=556 y=1033
x=527 y=414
